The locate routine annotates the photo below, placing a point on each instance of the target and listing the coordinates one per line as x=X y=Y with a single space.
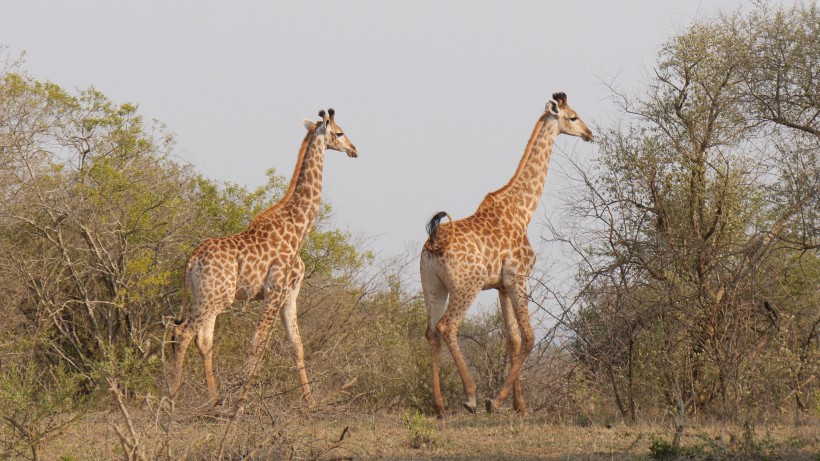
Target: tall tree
x=98 y=218
x=698 y=225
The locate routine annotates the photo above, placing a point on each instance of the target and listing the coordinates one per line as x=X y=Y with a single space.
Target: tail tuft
x=432 y=226
x=432 y=230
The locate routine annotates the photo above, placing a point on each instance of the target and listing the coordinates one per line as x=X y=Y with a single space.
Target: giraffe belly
x=249 y=288
x=501 y=269
x=494 y=281
x=243 y=294
x=495 y=277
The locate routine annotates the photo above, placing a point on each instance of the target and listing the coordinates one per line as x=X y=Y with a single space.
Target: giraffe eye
x=573 y=118
x=339 y=134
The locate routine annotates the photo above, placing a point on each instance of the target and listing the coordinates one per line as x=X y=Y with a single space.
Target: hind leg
x=447 y=327
x=435 y=298
x=205 y=343
x=183 y=335
x=205 y=306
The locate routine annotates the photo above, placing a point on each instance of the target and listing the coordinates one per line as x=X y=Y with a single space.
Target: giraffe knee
x=445 y=329
x=204 y=343
x=513 y=335
x=432 y=334
x=176 y=330
x=514 y=346
x=441 y=328
x=179 y=335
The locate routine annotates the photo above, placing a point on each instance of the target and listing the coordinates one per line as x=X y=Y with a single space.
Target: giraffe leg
x=183 y=335
x=518 y=297
x=205 y=343
x=292 y=328
x=208 y=299
x=274 y=301
x=278 y=285
x=448 y=329
x=513 y=343
x=200 y=324
x=435 y=298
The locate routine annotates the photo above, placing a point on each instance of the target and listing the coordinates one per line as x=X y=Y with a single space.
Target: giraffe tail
x=432 y=231
x=181 y=316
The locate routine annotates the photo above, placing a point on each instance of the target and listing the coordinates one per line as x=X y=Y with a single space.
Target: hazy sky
x=439 y=97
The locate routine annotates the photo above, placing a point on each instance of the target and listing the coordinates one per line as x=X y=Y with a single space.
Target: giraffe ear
x=307 y=123
x=552 y=106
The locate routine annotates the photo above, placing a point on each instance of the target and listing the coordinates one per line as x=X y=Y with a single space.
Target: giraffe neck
x=523 y=191
x=307 y=189
x=304 y=192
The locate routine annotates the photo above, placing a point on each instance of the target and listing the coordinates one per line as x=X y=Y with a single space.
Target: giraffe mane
x=539 y=125
x=300 y=160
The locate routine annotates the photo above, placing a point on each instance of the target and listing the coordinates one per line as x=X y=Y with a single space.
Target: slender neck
x=524 y=189
x=307 y=181
x=304 y=192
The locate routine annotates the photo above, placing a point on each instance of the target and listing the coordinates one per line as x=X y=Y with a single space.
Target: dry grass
x=348 y=435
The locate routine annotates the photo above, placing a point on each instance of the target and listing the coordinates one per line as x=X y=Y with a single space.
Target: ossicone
x=560 y=97
x=324 y=117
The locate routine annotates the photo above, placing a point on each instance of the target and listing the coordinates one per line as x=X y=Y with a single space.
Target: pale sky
x=439 y=97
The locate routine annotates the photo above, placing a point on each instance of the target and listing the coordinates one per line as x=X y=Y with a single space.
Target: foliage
x=698 y=226
x=98 y=218
x=664 y=451
x=421 y=430
x=37 y=404
x=746 y=445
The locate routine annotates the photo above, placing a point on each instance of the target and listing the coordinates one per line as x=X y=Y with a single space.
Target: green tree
x=96 y=223
x=698 y=225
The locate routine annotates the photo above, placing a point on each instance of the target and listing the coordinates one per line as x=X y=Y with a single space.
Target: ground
x=337 y=435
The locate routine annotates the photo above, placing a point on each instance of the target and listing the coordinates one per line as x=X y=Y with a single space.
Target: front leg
x=275 y=293
x=514 y=278
x=513 y=334
x=289 y=320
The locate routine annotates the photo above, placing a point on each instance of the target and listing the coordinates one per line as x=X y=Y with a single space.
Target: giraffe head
x=568 y=120
x=335 y=137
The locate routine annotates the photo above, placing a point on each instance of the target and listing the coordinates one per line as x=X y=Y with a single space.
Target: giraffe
x=490 y=250
x=262 y=262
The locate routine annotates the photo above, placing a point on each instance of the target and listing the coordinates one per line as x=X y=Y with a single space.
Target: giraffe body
x=260 y=263
x=490 y=250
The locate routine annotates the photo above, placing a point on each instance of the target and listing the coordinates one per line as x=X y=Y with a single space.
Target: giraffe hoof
x=491 y=406
x=469 y=407
x=439 y=410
